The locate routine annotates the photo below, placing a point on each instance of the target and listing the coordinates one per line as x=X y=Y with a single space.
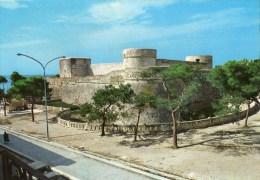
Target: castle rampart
x=105 y=68
x=79 y=79
x=133 y=58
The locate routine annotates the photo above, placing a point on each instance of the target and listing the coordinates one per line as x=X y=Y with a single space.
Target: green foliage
x=180 y=81
x=200 y=114
x=143 y=100
x=86 y=109
x=31 y=86
x=15 y=76
x=107 y=102
x=227 y=104
x=238 y=82
x=1 y=93
x=3 y=80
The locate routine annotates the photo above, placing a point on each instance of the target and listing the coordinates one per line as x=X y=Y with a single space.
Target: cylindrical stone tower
x=138 y=58
x=207 y=59
x=75 y=67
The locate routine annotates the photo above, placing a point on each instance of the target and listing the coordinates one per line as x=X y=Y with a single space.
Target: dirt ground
x=223 y=152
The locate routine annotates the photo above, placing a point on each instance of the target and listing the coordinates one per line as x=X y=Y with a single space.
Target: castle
x=79 y=79
x=132 y=59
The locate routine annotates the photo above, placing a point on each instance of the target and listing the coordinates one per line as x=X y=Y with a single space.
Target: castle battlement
x=133 y=58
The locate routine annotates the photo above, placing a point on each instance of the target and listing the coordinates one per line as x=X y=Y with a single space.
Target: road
x=76 y=165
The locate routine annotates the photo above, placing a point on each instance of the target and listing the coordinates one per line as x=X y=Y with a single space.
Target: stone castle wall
x=102 y=69
x=80 y=90
x=79 y=79
x=133 y=58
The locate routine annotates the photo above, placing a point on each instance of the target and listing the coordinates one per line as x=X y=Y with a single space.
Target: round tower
x=207 y=59
x=75 y=67
x=138 y=58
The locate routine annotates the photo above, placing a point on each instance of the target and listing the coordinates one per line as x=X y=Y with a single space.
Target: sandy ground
x=223 y=152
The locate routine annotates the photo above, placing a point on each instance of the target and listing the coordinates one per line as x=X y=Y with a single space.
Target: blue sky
x=101 y=29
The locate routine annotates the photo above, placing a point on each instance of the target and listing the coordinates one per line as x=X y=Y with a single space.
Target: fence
x=156 y=128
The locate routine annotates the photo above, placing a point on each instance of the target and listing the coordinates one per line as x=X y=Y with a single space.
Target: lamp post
x=45 y=91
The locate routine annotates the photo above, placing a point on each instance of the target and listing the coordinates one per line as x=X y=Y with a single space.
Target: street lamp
x=45 y=91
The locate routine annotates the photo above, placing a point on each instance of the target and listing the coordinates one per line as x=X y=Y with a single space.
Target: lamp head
x=19 y=54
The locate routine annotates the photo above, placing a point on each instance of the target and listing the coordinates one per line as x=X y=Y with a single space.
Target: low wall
x=157 y=128
x=49 y=108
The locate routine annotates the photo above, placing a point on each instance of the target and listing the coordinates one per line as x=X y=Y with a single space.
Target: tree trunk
x=137 y=123
x=4 y=107
x=103 y=126
x=32 y=111
x=174 y=129
x=247 y=113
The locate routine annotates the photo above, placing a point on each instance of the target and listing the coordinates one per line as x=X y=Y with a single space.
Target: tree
x=180 y=82
x=3 y=80
x=107 y=104
x=15 y=76
x=142 y=101
x=238 y=82
x=29 y=88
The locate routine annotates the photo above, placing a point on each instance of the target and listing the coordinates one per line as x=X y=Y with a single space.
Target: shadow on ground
x=235 y=143
x=144 y=140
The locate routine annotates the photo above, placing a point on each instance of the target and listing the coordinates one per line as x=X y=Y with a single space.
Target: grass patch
x=59 y=103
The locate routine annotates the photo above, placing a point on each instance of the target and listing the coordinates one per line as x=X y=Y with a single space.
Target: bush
x=196 y=115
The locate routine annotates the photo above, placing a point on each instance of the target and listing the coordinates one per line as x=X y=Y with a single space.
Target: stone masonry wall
x=80 y=79
x=102 y=69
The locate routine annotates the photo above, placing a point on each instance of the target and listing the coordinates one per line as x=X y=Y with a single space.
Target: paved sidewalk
x=19 y=113
x=71 y=163
x=228 y=151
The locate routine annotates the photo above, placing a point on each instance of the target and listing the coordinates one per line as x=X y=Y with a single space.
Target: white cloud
x=123 y=11
x=12 y=4
x=116 y=12
x=199 y=23
x=120 y=11
x=22 y=44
